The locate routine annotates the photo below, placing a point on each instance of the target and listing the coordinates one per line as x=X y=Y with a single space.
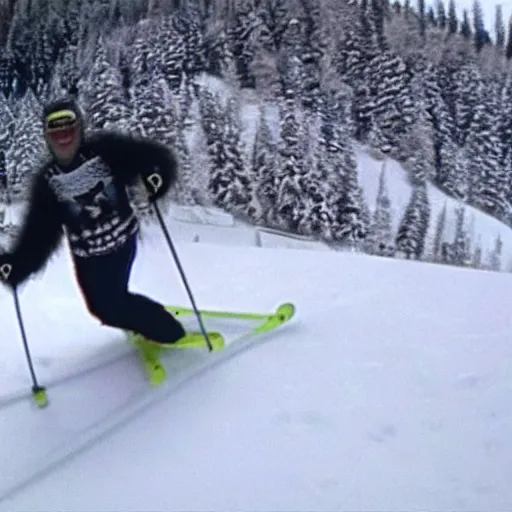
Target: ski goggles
x=60 y=119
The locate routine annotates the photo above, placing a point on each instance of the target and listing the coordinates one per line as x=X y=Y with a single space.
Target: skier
x=81 y=191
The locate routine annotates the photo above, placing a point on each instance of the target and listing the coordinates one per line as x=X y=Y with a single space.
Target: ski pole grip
x=155 y=180
x=5 y=271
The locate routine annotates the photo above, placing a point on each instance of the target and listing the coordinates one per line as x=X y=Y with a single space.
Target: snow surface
x=389 y=391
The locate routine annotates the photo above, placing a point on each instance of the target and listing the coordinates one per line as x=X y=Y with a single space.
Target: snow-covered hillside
x=390 y=391
x=482 y=228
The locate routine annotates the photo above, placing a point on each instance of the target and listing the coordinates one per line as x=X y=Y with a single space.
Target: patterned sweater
x=97 y=214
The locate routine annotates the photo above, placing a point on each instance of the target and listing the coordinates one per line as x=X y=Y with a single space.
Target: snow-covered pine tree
x=294 y=39
x=441 y=14
x=186 y=186
x=20 y=50
x=422 y=18
x=53 y=89
x=26 y=154
x=489 y=183
x=4 y=184
x=152 y=113
x=241 y=29
x=383 y=244
x=365 y=221
x=499 y=27
x=170 y=48
x=393 y=110
x=314 y=47
x=417 y=148
x=229 y=182
x=263 y=201
x=72 y=21
x=431 y=17
x=410 y=239
x=201 y=165
x=152 y=117
x=273 y=19
x=103 y=95
x=210 y=110
x=7 y=123
x=428 y=97
x=68 y=69
x=371 y=26
x=363 y=106
x=323 y=186
x=496 y=254
x=186 y=103
x=465 y=26
x=42 y=61
x=171 y=131
x=379 y=13
x=145 y=58
x=476 y=260
x=309 y=180
x=453 y=21
x=8 y=73
x=5 y=21
x=218 y=54
x=456 y=174
x=209 y=138
x=505 y=133
x=191 y=29
x=343 y=99
x=97 y=15
x=352 y=56
x=508 y=48
x=481 y=37
x=291 y=202
x=460 y=247
x=439 y=235
x=351 y=222
x=446 y=254
x=468 y=99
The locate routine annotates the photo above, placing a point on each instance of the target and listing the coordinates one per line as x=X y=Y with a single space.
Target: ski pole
x=182 y=273
x=38 y=391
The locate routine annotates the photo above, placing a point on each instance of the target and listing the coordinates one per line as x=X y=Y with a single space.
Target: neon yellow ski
x=150 y=351
x=283 y=314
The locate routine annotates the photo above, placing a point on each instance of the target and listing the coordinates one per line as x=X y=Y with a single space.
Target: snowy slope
x=481 y=226
x=390 y=391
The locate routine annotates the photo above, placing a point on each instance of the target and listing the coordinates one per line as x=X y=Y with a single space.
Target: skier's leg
x=104 y=284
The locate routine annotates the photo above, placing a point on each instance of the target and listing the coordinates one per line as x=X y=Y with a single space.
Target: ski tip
x=285 y=311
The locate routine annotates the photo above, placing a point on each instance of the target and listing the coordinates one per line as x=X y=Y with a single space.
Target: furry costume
x=87 y=200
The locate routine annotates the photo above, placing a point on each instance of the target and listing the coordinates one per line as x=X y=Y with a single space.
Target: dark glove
x=6 y=270
x=155 y=185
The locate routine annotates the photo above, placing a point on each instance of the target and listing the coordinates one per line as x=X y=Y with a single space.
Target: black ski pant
x=104 y=284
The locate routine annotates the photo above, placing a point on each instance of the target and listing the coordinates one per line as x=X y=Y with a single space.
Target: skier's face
x=62 y=133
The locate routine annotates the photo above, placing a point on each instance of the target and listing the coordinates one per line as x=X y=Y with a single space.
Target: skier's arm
x=131 y=158
x=39 y=237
